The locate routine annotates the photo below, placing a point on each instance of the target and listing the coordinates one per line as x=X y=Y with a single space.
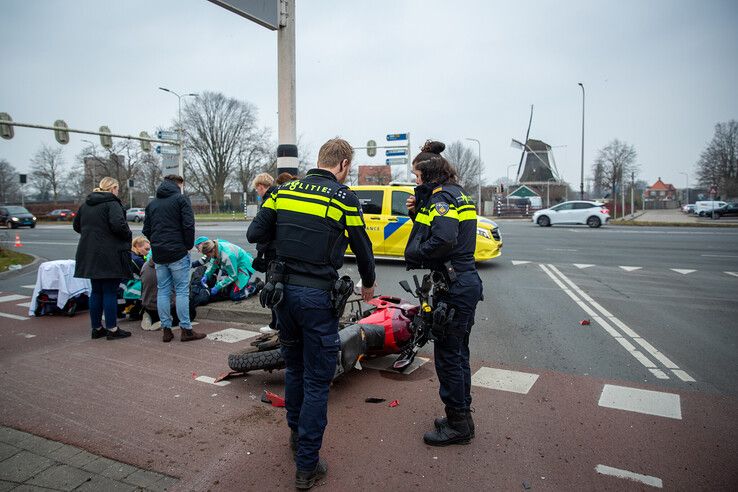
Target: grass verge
x=9 y=257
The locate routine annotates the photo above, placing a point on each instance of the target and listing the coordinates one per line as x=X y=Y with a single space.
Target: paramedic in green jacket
x=234 y=264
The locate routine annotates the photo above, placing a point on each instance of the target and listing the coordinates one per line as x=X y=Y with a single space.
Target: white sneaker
x=156 y=326
x=146 y=322
x=265 y=330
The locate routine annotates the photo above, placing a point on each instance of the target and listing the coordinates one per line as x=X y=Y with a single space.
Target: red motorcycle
x=389 y=326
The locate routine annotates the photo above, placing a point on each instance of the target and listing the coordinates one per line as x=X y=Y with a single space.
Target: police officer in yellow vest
x=311 y=221
x=443 y=239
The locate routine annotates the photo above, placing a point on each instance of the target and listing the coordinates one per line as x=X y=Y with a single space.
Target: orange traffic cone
x=18 y=242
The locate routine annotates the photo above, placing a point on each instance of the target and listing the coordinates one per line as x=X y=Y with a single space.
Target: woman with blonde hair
x=103 y=255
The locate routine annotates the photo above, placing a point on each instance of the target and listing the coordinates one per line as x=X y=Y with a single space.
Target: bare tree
x=253 y=156
x=47 y=169
x=466 y=162
x=614 y=163
x=217 y=129
x=150 y=174
x=718 y=164
x=9 y=185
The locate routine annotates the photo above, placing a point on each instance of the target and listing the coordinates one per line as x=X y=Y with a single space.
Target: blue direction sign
x=396 y=160
x=395 y=152
x=165 y=135
x=396 y=136
x=166 y=149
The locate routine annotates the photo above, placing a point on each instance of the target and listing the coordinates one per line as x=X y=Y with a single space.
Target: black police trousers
x=452 y=351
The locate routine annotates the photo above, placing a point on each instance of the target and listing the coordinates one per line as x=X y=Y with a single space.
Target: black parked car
x=14 y=216
x=728 y=210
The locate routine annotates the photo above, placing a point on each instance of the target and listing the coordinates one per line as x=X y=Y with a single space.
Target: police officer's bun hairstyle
x=433 y=167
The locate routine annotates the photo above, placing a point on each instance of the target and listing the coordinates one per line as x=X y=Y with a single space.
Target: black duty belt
x=307 y=281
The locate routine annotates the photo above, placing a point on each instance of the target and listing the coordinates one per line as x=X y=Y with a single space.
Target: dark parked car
x=727 y=210
x=14 y=216
x=60 y=214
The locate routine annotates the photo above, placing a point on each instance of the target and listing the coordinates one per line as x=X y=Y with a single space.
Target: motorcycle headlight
x=483 y=232
x=14 y=219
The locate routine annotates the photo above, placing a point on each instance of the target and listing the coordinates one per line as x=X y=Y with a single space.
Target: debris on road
x=584 y=322
x=374 y=400
x=394 y=403
x=275 y=400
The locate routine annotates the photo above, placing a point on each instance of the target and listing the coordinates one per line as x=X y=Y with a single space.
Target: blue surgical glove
x=214 y=291
x=204 y=282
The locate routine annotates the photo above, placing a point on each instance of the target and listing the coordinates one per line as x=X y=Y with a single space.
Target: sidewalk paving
x=32 y=463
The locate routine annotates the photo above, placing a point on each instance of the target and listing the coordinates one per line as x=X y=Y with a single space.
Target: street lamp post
x=180 y=164
x=686 y=175
x=479 y=178
x=581 y=177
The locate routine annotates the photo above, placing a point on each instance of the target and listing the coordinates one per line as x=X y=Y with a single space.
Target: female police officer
x=443 y=240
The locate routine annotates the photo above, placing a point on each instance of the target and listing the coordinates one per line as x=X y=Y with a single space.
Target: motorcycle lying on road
x=389 y=326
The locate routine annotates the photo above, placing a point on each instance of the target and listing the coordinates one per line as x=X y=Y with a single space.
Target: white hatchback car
x=593 y=214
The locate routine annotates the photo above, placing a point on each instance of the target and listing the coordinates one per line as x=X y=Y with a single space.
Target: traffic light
x=106 y=140
x=371 y=148
x=23 y=178
x=61 y=136
x=145 y=144
x=6 y=131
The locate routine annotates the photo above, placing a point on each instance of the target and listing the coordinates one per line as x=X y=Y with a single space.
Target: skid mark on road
x=607 y=320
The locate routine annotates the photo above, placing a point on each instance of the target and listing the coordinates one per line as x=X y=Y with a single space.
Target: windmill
x=540 y=164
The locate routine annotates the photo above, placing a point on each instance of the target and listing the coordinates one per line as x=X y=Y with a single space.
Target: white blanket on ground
x=59 y=275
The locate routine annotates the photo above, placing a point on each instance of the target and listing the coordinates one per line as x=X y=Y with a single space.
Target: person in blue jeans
x=170 y=226
x=102 y=255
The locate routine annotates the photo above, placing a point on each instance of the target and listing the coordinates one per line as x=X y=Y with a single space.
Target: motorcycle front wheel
x=267 y=360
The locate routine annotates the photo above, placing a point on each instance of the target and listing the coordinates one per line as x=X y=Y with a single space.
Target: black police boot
x=305 y=480
x=454 y=431
x=441 y=421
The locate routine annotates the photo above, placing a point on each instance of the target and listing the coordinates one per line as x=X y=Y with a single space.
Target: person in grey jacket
x=103 y=255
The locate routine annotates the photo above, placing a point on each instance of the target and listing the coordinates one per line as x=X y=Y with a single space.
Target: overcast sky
x=658 y=74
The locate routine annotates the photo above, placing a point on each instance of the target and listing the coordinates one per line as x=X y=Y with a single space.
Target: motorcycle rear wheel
x=267 y=360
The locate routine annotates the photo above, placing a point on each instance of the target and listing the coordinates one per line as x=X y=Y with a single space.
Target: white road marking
x=582 y=265
x=735 y=274
x=572 y=288
x=231 y=335
x=32 y=286
x=24 y=304
x=721 y=256
x=683 y=376
x=12 y=297
x=26 y=335
x=659 y=373
x=13 y=316
x=682 y=271
x=630 y=268
x=209 y=380
x=641 y=401
x=504 y=380
x=629 y=475
x=516 y=262
x=562 y=249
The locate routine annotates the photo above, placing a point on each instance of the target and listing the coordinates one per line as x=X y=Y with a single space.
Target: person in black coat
x=170 y=226
x=103 y=255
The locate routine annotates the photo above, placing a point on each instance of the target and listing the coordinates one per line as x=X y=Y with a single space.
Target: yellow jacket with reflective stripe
x=444 y=228
x=312 y=221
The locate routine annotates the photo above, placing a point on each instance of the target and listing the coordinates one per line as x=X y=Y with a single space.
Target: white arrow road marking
x=516 y=262
x=582 y=265
x=735 y=274
x=682 y=271
x=630 y=268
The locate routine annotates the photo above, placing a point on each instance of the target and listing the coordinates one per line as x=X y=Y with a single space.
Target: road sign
x=166 y=150
x=165 y=135
x=371 y=148
x=263 y=12
x=396 y=136
x=169 y=164
x=396 y=160
x=395 y=152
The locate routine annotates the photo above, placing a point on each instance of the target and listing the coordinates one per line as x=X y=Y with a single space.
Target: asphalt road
x=661 y=304
x=674 y=294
